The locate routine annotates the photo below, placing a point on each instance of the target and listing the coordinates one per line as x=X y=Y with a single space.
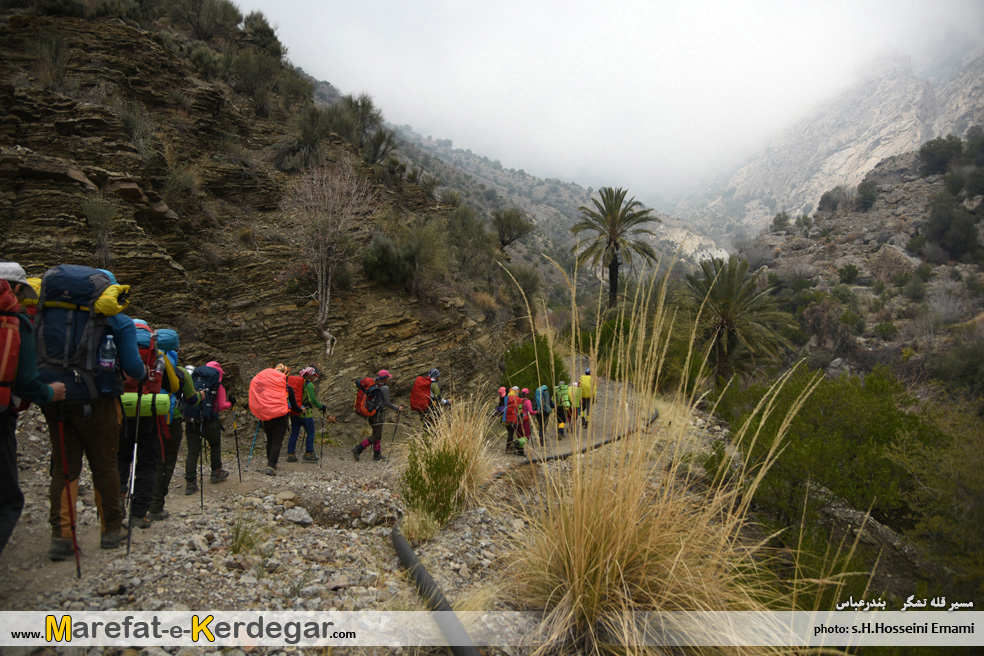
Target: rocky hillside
x=866 y=284
x=893 y=112
x=198 y=231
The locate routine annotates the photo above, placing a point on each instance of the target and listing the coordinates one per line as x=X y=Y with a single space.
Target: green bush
x=205 y=59
x=915 y=289
x=415 y=258
x=841 y=439
x=867 y=195
x=431 y=481
x=937 y=154
x=533 y=363
x=887 y=330
x=848 y=273
x=962 y=366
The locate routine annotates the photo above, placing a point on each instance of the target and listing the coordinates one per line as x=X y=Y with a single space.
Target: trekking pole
x=399 y=415
x=250 y=458
x=201 y=465
x=133 y=468
x=235 y=434
x=60 y=410
x=322 y=456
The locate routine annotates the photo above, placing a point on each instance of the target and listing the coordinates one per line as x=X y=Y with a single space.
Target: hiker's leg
x=212 y=430
x=377 y=433
x=366 y=442
x=275 y=439
x=98 y=437
x=194 y=442
x=295 y=430
x=58 y=516
x=309 y=427
x=165 y=469
x=148 y=455
x=11 y=497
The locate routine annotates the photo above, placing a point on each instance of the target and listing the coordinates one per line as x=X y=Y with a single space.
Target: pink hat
x=383 y=374
x=216 y=365
x=502 y=391
x=525 y=392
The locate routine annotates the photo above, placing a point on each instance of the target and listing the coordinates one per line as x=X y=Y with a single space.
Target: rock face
x=211 y=256
x=895 y=111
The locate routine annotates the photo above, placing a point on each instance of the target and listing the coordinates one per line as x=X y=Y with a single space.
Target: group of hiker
x=570 y=403
x=111 y=387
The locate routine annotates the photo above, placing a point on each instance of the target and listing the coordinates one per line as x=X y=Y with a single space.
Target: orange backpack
x=296 y=383
x=268 y=395
x=9 y=343
x=420 y=394
x=367 y=399
x=513 y=410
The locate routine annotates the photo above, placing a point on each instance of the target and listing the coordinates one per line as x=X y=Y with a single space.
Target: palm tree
x=615 y=223
x=741 y=319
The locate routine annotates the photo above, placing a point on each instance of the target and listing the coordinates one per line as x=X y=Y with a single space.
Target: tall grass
x=629 y=528
x=449 y=461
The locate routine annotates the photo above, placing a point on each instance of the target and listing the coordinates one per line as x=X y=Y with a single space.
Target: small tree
x=867 y=195
x=325 y=204
x=511 y=225
x=937 y=154
x=206 y=18
x=780 y=221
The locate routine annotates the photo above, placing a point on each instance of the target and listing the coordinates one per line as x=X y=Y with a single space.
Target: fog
x=649 y=95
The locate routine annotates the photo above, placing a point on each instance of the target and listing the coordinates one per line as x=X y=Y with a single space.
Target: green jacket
x=310 y=402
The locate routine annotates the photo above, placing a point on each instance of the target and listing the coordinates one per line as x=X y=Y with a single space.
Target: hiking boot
x=158 y=516
x=142 y=522
x=218 y=476
x=112 y=540
x=310 y=457
x=357 y=451
x=377 y=455
x=191 y=487
x=61 y=548
x=291 y=457
x=270 y=471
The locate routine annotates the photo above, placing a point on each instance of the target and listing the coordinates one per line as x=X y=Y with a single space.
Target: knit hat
x=309 y=371
x=282 y=368
x=14 y=274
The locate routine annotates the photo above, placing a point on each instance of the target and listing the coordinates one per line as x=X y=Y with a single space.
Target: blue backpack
x=71 y=325
x=204 y=378
x=541 y=399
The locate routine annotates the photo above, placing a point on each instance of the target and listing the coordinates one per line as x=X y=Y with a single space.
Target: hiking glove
x=231 y=399
x=324 y=409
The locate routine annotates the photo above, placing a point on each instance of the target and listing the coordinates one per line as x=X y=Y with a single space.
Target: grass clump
x=248 y=533
x=448 y=462
x=100 y=212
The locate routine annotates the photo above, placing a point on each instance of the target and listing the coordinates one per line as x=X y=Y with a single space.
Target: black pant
x=275 y=430
x=211 y=431
x=148 y=455
x=165 y=468
x=11 y=497
x=542 y=419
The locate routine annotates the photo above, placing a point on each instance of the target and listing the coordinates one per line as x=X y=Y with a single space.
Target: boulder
x=890 y=261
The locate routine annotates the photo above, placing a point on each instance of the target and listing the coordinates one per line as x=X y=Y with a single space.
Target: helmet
x=383 y=374
x=434 y=373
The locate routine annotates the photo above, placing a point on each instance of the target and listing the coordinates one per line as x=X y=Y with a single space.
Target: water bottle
x=106 y=374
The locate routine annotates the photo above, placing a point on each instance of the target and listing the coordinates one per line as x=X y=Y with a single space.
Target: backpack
x=75 y=304
x=296 y=383
x=586 y=391
x=563 y=395
x=9 y=344
x=420 y=395
x=204 y=378
x=541 y=399
x=367 y=397
x=513 y=410
x=147 y=345
x=268 y=395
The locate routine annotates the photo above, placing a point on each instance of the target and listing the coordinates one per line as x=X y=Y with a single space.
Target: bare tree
x=325 y=204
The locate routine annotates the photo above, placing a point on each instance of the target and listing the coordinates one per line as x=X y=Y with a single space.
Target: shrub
x=248 y=533
x=205 y=59
x=915 y=289
x=100 y=212
x=413 y=259
x=886 y=330
x=206 y=18
x=780 y=221
x=962 y=366
x=264 y=35
x=50 y=58
x=848 y=273
x=533 y=363
x=951 y=227
x=947 y=305
x=254 y=73
x=137 y=123
x=937 y=154
x=867 y=194
x=180 y=189
x=73 y=8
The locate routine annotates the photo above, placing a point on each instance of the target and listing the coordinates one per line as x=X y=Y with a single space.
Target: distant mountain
x=894 y=111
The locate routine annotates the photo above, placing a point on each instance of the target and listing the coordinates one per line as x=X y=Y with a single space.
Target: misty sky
x=643 y=94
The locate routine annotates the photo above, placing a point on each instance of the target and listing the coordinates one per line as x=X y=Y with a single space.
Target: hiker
x=425 y=396
x=144 y=436
x=524 y=428
x=543 y=405
x=91 y=302
x=203 y=425
x=381 y=402
x=309 y=402
x=270 y=400
x=185 y=394
x=574 y=390
x=510 y=423
x=18 y=380
x=587 y=395
x=562 y=392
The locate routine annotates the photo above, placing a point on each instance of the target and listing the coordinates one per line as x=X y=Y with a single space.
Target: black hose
x=447 y=621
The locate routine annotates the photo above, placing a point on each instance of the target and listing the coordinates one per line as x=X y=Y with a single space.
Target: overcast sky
x=644 y=94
